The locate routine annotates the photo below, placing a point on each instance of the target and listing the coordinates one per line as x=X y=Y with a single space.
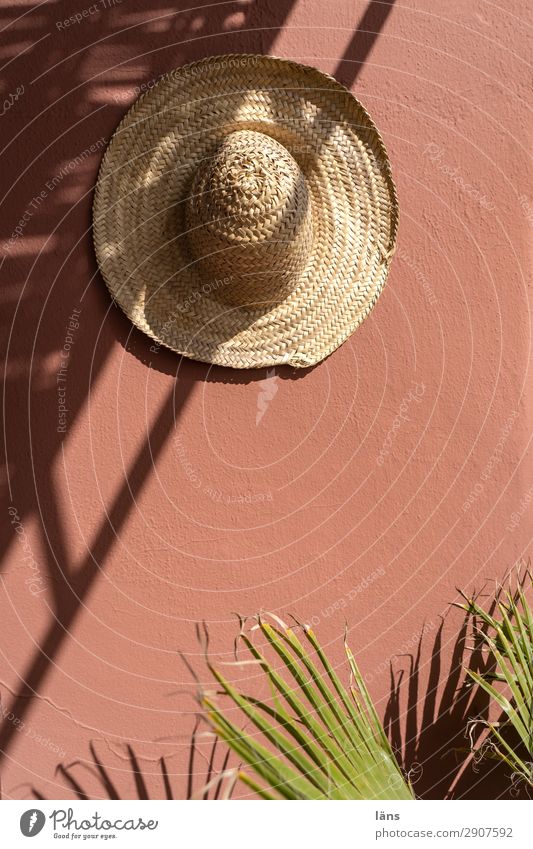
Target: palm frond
x=507 y=631
x=315 y=739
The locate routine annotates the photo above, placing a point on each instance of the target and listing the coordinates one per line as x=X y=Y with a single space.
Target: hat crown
x=250 y=177
x=248 y=217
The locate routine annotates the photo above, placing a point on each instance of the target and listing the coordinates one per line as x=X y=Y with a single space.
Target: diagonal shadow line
x=140 y=784
x=74 y=785
x=363 y=40
x=109 y=786
x=166 y=779
x=59 y=575
x=87 y=573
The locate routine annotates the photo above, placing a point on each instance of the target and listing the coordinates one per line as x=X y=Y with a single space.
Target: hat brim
x=138 y=218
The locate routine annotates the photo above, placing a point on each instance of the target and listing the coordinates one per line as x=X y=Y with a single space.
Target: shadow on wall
x=91 y=72
x=432 y=734
x=432 y=729
x=206 y=779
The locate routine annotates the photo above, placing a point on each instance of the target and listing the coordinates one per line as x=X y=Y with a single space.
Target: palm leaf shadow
x=434 y=735
x=215 y=779
x=210 y=784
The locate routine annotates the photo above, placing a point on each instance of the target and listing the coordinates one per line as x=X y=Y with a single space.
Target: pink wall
x=120 y=542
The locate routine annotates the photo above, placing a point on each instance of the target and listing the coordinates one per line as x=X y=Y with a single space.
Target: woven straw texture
x=245 y=213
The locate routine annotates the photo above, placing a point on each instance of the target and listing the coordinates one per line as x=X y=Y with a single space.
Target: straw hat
x=245 y=212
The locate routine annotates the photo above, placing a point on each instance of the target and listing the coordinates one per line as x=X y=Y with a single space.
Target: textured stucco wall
x=165 y=502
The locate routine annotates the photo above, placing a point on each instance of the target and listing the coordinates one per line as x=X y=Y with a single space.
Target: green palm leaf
x=316 y=739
